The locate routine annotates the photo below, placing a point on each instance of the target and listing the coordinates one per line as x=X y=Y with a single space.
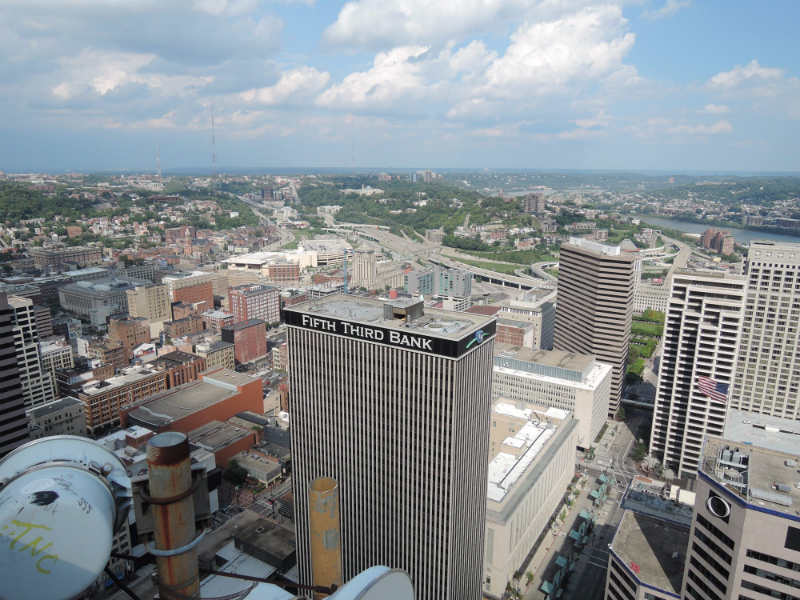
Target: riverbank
x=742 y=236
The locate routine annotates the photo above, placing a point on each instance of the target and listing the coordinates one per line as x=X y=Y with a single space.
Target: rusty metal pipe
x=170 y=478
x=324 y=533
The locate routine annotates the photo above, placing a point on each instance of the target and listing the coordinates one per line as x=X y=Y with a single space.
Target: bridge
x=494 y=277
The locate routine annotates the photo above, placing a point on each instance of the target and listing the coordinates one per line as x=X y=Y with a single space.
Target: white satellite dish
x=61 y=500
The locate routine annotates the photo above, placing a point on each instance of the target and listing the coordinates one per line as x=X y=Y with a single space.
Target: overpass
x=494 y=277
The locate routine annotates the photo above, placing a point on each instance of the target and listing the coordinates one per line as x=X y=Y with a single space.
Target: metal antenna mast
x=213 y=144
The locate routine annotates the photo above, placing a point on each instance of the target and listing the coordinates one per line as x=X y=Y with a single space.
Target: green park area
x=646 y=330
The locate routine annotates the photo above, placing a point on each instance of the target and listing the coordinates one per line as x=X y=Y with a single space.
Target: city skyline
x=672 y=85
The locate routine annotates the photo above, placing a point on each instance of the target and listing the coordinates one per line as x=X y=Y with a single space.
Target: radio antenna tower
x=213 y=144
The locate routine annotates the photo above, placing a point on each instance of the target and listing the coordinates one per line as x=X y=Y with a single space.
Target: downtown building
x=38 y=385
x=595 y=306
x=13 y=422
x=255 y=301
x=700 y=345
x=543 y=379
x=768 y=370
x=392 y=401
x=745 y=534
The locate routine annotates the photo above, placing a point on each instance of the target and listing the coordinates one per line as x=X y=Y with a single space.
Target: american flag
x=713 y=388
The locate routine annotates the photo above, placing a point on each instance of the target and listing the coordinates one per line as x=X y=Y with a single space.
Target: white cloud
x=393 y=75
x=302 y=82
x=381 y=23
x=715 y=109
x=751 y=73
x=713 y=129
x=543 y=57
x=669 y=8
x=658 y=127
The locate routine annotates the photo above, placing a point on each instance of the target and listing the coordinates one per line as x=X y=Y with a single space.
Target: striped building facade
x=595 y=306
x=396 y=410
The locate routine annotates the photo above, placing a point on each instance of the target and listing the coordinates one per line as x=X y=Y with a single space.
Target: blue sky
x=639 y=84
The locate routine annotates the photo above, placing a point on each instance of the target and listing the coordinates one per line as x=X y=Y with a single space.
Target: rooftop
x=370 y=311
x=764 y=431
x=176 y=358
x=216 y=435
x=557 y=366
x=759 y=476
x=125 y=377
x=653 y=549
x=217 y=314
x=326 y=245
x=56 y=405
x=249 y=289
x=245 y=324
x=534 y=440
x=595 y=247
x=179 y=402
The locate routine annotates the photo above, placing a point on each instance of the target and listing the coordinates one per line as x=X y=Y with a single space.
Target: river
x=742 y=236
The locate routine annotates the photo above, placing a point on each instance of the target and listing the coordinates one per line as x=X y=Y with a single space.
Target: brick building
x=216 y=396
x=181 y=310
x=102 y=400
x=131 y=332
x=255 y=301
x=249 y=339
x=283 y=272
x=516 y=333
x=180 y=367
x=191 y=287
x=215 y=320
x=218 y=355
x=110 y=352
x=186 y=326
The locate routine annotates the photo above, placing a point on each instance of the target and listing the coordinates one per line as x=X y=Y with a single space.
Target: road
x=587 y=582
x=286 y=236
x=680 y=260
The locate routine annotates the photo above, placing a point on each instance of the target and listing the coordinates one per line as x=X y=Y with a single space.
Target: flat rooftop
x=764 y=431
x=56 y=405
x=179 y=402
x=760 y=476
x=370 y=311
x=648 y=544
x=555 y=365
x=595 y=247
x=126 y=376
x=216 y=435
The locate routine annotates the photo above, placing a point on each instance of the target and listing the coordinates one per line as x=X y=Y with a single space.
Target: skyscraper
x=768 y=371
x=13 y=422
x=701 y=338
x=37 y=385
x=595 y=305
x=393 y=403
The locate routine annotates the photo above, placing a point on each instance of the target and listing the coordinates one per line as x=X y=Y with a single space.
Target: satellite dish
x=61 y=500
x=377 y=583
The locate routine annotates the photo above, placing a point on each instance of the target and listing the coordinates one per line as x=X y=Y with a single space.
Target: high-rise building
x=701 y=338
x=439 y=281
x=249 y=339
x=37 y=384
x=364 y=272
x=745 y=536
x=595 y=305
x=768 y=370
x=392 y=401
x=255 y=301
x=13 y=422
